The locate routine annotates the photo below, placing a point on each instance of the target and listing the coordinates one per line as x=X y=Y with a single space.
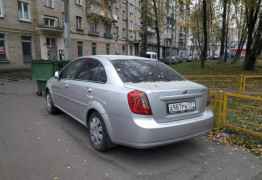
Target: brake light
x=138 y=103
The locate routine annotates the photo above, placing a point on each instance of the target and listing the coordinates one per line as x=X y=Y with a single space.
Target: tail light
x=138 y=103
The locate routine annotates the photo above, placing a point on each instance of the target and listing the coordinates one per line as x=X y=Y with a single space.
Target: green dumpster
x=42 y=70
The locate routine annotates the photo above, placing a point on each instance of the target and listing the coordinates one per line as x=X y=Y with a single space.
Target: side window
x=92 y=70
x=70 y=71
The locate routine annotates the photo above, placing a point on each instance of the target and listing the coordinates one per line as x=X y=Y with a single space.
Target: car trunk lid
x=177 y=95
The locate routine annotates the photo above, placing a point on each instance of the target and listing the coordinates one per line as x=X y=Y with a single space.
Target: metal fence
x=238 y=112
x=236 y=101
x=218 y=82
x=251 y=84
x=245 y=84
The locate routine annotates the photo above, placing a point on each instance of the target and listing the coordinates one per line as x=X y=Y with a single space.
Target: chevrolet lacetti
x=131 y=101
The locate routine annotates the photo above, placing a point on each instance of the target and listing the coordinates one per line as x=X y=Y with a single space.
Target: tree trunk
x=144 y=40
x=204 y=49
x=255 y=48
x=226 y=34
x=172 y=29
x=250 y=61
x=157 y=28
x=254 y=34
x=240 y=45
x=223 y=34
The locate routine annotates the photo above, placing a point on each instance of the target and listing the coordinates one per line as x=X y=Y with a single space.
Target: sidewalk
x=14 y=67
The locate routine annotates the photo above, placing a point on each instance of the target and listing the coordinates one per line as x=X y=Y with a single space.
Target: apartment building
x=182 y=31
x=34 y=29
x=95 y=29
x=17 y=35
x=49 y=29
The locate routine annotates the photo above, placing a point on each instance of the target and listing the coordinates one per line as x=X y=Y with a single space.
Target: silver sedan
x=129 y=101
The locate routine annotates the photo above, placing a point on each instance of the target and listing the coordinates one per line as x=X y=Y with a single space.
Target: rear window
x=136 y=71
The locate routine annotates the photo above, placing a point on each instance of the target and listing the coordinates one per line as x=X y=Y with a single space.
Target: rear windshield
x=136 y=71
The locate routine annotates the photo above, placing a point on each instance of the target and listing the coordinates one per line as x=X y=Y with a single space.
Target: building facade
x=17 y=35
x=34 y=29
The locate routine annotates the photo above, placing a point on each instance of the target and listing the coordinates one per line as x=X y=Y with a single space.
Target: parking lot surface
x=37 y=146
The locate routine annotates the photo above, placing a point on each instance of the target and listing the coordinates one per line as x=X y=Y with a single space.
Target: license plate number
x=181 y=107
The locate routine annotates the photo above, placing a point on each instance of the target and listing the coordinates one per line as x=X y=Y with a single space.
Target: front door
x=27 y=49
x=51 y=48
x=64 y=87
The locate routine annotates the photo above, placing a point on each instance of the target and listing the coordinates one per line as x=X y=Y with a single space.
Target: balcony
x=50 y=25
x=96 y=11
x=51 y=29
x=167 y=35
x=108 y=35
x=95 y=34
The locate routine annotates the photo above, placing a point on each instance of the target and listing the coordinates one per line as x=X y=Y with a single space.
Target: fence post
x=244 y=84
x=224 y=109
x=241 y=83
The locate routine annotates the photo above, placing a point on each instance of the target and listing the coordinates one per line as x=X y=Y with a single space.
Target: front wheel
x=98 y=134
x=50 y=104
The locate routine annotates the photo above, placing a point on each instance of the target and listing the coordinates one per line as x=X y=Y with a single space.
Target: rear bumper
x=147 y=133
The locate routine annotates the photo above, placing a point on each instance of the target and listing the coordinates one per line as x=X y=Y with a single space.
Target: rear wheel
x=50 y=105
x=98 y=134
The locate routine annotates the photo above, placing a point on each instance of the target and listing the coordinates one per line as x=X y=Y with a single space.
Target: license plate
x=181 y=107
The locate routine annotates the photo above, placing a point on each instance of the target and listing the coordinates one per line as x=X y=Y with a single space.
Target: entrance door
x=51 y=48
x=27 y=49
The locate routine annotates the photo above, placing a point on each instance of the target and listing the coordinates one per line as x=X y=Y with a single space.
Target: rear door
x=87 y=86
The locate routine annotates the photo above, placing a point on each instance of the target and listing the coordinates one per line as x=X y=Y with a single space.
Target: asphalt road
x=37 y=146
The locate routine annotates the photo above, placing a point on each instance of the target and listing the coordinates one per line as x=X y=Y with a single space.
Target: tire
x=98 y=134
x=50 y=104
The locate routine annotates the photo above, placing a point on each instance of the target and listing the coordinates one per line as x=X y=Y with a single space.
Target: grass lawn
x=215 y=67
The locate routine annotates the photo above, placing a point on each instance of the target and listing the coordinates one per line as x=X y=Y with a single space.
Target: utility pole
x=127 y=27
x=66 y=29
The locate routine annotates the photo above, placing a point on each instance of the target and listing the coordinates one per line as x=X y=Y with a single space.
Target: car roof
x=118 y=57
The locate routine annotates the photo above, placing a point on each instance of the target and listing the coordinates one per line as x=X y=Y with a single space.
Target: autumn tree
x=254 y=30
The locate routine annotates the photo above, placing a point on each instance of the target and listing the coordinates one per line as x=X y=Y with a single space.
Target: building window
x=51 y=48
x=24 y=11
x=108 y=28
x=50 y=3
x=79 y=48
x=2 y=47
x=50 y=21
x=78 y=23
x=79 y=2
x=93 y=48
x=2 y=9
x=50 y=42
x=107 y=49
x=93 y=27
x=123 y=49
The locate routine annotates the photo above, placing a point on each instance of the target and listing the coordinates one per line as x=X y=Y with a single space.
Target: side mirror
x=57 y=75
